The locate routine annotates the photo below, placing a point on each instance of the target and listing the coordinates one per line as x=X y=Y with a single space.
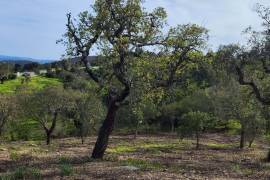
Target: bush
x=12 y=76
x=66 y=170
x=234 y=127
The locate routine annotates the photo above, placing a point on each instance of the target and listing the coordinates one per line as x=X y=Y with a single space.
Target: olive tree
x=45 y=107
x=85 y=110
x=194 y=123
x=7 y=110
x=122 y=26
x=122 y=30
x=251 y=64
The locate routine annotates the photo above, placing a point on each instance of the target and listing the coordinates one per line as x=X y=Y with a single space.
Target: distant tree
x=5 y=70
x=85 y=110
x=250 y=64
x=31 y=67
x=194 y=123
x=18 y=68
x=7 y=110
x=45 y=107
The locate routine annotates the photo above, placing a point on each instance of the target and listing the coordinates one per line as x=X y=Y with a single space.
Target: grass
x=36 y=83
x=148 y=157
x=65 y=167
x=22 y=173
x=121 y=149
x=143 y=164
x=66 y=170
x=219 y=146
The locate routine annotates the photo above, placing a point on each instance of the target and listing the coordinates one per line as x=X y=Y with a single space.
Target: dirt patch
x=151 y=157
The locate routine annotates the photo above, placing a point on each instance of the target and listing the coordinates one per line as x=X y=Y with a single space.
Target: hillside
x=35 y=83
x=23 y=60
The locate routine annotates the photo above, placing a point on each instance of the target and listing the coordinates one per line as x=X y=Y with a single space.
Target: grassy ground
x=148 y=157
x=36 y=83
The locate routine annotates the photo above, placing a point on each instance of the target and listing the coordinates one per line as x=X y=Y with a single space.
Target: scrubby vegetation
x=174 y=110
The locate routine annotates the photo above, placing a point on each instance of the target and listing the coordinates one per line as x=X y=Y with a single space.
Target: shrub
x=66 y=170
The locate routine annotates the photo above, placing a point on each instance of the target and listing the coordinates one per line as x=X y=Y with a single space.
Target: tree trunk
x=81 y=134
x=198 y=141
x=48 y=138
x=49 y=131
x=250 y=143
x=268 y=156
x=242 y=138
x=82 y=138
x=172 y=125
x=136 y=130
x=105 y=131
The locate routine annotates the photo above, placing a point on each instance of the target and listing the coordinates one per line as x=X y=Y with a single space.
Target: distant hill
x=22 y=60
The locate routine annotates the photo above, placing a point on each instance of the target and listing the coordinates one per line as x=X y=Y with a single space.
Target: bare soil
x=147 y=157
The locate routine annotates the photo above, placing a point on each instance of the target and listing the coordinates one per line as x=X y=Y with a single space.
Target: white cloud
x=31 y=27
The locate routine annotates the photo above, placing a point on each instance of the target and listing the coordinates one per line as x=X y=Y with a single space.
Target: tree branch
x=263 y=100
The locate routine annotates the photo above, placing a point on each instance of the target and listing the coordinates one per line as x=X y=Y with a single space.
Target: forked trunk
x=104 y=132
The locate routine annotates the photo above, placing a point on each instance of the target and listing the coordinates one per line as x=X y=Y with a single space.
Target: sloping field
x=35 y=83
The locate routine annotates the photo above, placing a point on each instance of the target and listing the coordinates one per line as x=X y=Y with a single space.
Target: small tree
x=85 y=110
x=194 y=123
x=45 y=107
x=7 y=109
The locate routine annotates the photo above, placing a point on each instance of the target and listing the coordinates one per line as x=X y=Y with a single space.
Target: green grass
x=65 y=167
x=121 y=149
x=22 y=173
x=36 y=83
x=220 y=146
x=143 y=164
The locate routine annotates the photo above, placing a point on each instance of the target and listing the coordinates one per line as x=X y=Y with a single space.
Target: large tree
x=122 y=29
x=251 y=64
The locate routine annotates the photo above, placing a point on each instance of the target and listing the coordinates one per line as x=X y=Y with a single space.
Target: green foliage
x=234 y=126
x=36 y=83
x=23 y=173
x=121 y=149
x=195 y=122
x=66 y=169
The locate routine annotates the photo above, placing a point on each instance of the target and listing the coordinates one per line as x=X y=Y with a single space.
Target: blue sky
x=30 y=28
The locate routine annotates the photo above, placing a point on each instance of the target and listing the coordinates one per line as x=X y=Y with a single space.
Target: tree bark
x=136 y=129
x=105 y=131
x=172 y=125
x=268 y=156
x=250 y=143
x=242 y=138
x=48 y=138
x=82 y=135
x=49 y=131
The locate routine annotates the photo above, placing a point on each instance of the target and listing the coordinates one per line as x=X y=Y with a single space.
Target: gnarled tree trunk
x=105 y=131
